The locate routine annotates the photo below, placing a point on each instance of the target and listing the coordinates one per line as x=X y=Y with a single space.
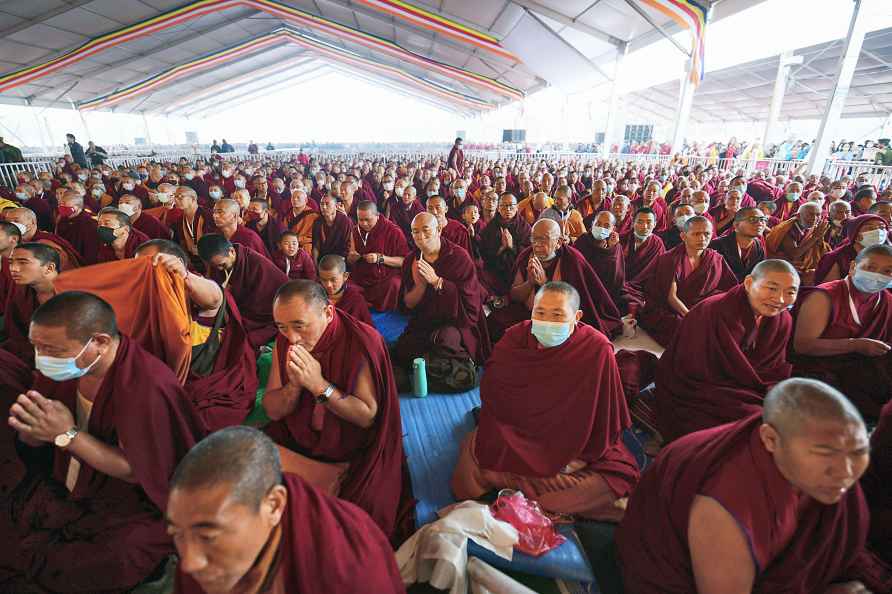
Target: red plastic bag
x=536 y=531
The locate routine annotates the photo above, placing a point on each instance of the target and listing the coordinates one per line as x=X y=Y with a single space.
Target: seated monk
x=861 y=232
x=331 y=231
x=33 y=267
x=222 y=380
x=301 y=219
x=501 y=240
x=602 y=249
x=724 y=214
x=377 y=249
x=548 y=260
x=443 y=299
x=346 y=296
x=227 y=219
x=680 y=214
x=883 y=210
x=240 y=524
x=451 y=230
x=680 y=279
x=844 y=332
x=117 y=238
x=195 y=223
x=87 y=516
x=402 y=207
x=877 y=485
x=251 y=279
x=556 y=436
x=740 y=338
x=572 y=225
x=839 y=213
x=293 y=261
x=768 y=208
x=10 y=237
x=620 y=206
x=768 y=504
x=333 y=402
x=144 y=222
x=742 y=249
x=77 y=226
x=69 y=257
x=530 y=209
x=596 y=201
x=642 y=246
x=801 y=241
x=259 y=220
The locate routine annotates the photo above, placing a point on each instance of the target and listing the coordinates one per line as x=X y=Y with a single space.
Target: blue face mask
x=551 y=334
x=62 y=369
x=870 y=282
x=459 y=192
x=641 y=237
x=600 y=233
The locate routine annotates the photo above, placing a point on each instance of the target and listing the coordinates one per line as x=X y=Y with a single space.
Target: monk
x=562 y=212
x=227 y=219
x=402 y=207
x=680 y=213
x=530 y=209
x=293 y=261
x=117 y=237
x=556 y=436
x=622 y=211
x=194 y=224
x=10 y=237
x=839 y=213
x=740 y=338
x=443 y=299
x=222 y=380
x=251 y=278
x=680 y=279
x=301 y=219
x=33 y=267
x=800 y=240
x=333 y=402
x=278 y=532
x=259 y=220
x=742 y=249
x=844 y=332
x=861 y=232
x=331 y=231
x=377 y=249
x=144 y=222
x=503 y=238
x=724 y=214
x=345 y=296
x=602 y=249
x=594 y=202
x=77 y=226
x=451 y=230
x=642 y=246
x=877 y=485
x=768 y=504
x=87 y=517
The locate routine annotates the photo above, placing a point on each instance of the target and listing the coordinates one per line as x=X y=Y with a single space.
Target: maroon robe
x=71 y=258
x=741 y=264
x=250 y=239
x=845 y=253
x=498 y=268
x=106 y=535
x=298 y=266
x=535 y=419
x=253 y=284
x=610 y=266
x=20 y=306
x=877 y=485
x=353 y=302
x=380 y=283
x=374 y=479
x=730 y=464
x=80 y=232
x=457 y=233
x=737 y=363
x=270 y=234
x=402 y=215
x=6 y=284
x=712 y=276
x=638 y=260
x=334 y=238
x=456 y=310
x=324 y=543
x=866 y=381
x=106 y=252
x=152 y=227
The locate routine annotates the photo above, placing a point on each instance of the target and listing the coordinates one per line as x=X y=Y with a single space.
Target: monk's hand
x=847 y=588
x=427 y=272
x=613 y=239
x=38 y=418
x=507 y=240
x=417 y=277
x=371 y=258
x=870 y=347
x=536 y=272
x=307 y=369
x=573 y=466
x=173 y=264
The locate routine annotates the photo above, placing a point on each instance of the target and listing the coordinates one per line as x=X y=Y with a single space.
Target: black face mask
x=106 y=234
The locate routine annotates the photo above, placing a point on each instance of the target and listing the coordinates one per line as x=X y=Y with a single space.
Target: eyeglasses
x=757 y=220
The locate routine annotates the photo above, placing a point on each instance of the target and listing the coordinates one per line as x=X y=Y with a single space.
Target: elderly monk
x=77 y=226
x=222 y=380
x=530 y=209
x=33 y=267
x=740 y=338
x=844 y=332
x=402 y=207
x=301 y=219
x=451 y=230
x=443 y=299
x=144 y=222
x=346 y=296
x=377 y=250
x=839 y=213
x=556 y=436
x=333 y=402
x=251 y=278
x=801 y=240
x=293 y=261
x=641 y=246
x=227 y=219
x=789 y=201
x=331 y=231
x=240 y=524
x=87 y=516
x=117 y=238
x=570 y=220
x=768 y=504
x=680 y=279
x=594 y=202
x=502 y=239
x=258 y=218
x=861 y=232
x=742 y=249
x=194 y=224
x=602 y=249
x=621 y=208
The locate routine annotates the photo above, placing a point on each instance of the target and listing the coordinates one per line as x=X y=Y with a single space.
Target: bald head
x=540 y=201
x=424 y=218
x=228 y=206
x=310 y=292
x=792 y=402
x=81 y=314
x=766 y=267
x=547 y=226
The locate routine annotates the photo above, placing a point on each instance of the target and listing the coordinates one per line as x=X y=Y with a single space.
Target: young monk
x=844 y=332
x=740 y=338
x=118 y=239
x=331 y=231
x=504 y=236
x=259 y=218
x=555 y=436
x=768 y=504
x=680 y=279
x=742 y=249
x=33 y=267
x=641 y=246
x=377 y=250
x=333 y=402
x=346 y=296
x=293 y=261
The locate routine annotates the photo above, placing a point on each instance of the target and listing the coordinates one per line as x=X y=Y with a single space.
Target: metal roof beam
x=570 y=22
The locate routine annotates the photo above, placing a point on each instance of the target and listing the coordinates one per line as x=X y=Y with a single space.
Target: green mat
x=257 y=417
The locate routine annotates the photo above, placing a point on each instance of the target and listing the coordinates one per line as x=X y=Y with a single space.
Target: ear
x=770 y=437
x=273 y=505
x=748 y=282
x=852 y=268
x=578 y=315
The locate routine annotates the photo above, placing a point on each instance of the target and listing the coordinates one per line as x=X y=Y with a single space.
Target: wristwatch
x=380 y=259
x=325 y=395
x=63 y=440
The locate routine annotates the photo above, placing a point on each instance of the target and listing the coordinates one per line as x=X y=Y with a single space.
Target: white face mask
x=600 y=233
x=127 y=187
x=681 y=220
x=838 y=192
x=700 y=207
x=873 y=237
x=215 y=194
x=239 y=183
x=127 y=209
x=388 y=186
x=163 y=197
x=21 y=196
x=97 y=192
x=22 y=228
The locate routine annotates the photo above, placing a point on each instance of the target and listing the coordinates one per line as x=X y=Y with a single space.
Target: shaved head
x=229 y=206
x=333 y=262
x=309 y=291
x=549 y=226
x=766 y=267
x=560 y=288
x=791 y=402
x=81 y=314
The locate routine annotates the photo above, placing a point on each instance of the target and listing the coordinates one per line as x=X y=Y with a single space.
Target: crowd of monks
x=136 y=304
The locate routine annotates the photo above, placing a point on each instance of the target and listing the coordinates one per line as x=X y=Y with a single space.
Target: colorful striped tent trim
x=692 y=16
